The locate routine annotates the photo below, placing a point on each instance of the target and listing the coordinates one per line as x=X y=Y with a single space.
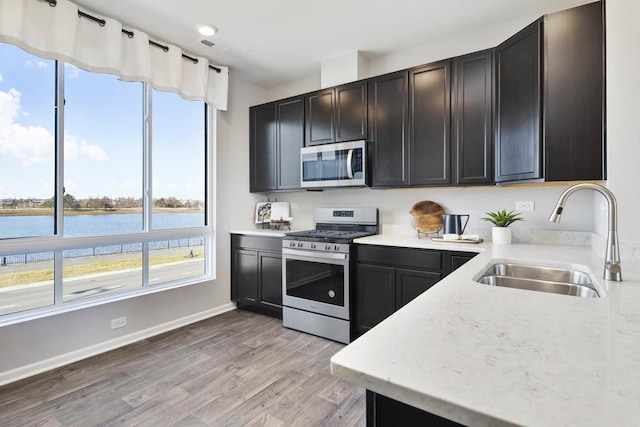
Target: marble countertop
x=490 y=356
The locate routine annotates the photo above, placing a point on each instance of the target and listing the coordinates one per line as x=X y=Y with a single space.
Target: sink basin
x=564 y=281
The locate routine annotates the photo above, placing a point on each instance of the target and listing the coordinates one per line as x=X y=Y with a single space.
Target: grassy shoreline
x=49 y=212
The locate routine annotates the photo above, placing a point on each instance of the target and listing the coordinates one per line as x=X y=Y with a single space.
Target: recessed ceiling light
x=207 y=30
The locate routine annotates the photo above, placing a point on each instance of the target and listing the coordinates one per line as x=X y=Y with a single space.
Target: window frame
x=58 y=242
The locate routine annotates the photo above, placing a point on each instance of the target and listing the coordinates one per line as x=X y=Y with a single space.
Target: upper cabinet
x=558 y=59
x=429 y=124
x=276 y=136
x=388 y=129
x=574 y=94
x=531 y=109
x=472 y=119
x=336 y=114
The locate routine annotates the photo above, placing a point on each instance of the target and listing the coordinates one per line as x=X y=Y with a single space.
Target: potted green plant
x=501 y=220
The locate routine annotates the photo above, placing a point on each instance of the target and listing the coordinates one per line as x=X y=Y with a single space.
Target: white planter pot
x=501 y=235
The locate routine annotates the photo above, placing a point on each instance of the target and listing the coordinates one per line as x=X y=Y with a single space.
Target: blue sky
x=103 y=134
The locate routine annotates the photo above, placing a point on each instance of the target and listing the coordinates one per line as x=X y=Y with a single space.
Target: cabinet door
x=388 y=127
x=518 y=143
x=375 y=295
x=458 y=260
x=429 y=124
x=262 y=149
x=351 y=111
x=245 y=276
x=290 y=131
x=270 y=272
x=319 y=117
x=411 y=283
x=574 y=94
x=473 y=119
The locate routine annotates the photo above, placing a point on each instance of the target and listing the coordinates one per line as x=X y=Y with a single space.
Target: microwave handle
x=349 y=161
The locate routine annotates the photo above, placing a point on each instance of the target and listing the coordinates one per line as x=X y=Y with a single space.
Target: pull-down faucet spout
x=612 y=269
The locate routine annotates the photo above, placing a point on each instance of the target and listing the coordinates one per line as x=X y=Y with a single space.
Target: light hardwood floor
x=236 y=369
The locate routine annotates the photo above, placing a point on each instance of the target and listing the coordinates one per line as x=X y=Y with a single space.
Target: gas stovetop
x=327 y=236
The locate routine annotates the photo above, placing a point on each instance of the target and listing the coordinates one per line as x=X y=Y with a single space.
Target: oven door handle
x=312 y=254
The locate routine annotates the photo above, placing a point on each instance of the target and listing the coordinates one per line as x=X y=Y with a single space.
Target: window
x=103 y=144
x=27 y=144
x=100 y=210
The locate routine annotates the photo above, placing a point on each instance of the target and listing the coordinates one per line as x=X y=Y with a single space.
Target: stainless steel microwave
x=342 y=164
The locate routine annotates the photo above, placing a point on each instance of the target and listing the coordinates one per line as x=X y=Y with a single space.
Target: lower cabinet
x=387 y=278
x=383 y=411
x=256 y=273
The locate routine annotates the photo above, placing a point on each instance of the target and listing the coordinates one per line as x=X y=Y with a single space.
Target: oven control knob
x=332 y=293
x=336 y=248
x=327 y=247
x=313 y=246
x=300 y=244
x=292 y=244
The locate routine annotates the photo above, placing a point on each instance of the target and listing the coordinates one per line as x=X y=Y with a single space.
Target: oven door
x=317 y=282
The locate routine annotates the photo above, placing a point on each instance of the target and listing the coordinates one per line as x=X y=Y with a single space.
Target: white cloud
x=74 y=146
x=41 y=65
x=28 y=144
x=71 y=71
x=33 y=144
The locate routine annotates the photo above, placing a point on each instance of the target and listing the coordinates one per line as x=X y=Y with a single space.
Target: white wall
x=623 y=114
x=40 y=344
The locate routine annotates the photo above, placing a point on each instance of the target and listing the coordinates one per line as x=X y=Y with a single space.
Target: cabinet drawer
x=256 y=242
x=425 y=259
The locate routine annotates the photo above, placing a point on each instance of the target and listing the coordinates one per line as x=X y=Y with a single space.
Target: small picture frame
x=263 y=212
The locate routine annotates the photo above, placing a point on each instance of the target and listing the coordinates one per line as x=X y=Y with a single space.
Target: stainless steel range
x=317 y=269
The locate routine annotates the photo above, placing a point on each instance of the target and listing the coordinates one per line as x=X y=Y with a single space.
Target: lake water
x=78 y=225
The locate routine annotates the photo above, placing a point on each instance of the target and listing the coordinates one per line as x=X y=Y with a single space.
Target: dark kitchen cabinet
x=276 y=136
x=336 y=114
x=262 y=148
x=389 y=277
x=388 y=129
x=375 y=295
x=383 y=411
x=518 y=127
x=574 y=94
x=458 y=259
x=472 y=115
x=559 y=58
x=411 y=283
x=256 y=273
x=429 y=152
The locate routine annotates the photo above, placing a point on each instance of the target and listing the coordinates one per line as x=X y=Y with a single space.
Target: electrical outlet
x=527 y=205
x=120 y=322
x=294 y=206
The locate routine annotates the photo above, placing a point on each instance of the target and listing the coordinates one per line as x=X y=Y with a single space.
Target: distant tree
x=160 y=203
x=70 y=202
x=172 y=202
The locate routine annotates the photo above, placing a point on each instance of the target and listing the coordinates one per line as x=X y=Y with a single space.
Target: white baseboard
x=83 y=353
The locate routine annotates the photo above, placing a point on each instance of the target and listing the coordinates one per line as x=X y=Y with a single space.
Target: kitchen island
x=486 y=356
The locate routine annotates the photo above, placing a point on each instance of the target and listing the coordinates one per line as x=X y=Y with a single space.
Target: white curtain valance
x=59 y=33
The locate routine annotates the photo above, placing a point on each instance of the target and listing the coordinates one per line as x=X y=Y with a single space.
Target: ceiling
x=277 y=41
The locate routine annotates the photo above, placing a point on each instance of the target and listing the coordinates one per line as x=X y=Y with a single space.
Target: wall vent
x=208 y=43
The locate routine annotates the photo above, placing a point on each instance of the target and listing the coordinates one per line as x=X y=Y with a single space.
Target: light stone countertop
x=490 y=356
x=260 y=232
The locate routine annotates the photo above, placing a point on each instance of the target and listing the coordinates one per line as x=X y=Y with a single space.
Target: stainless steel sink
x=565 y=281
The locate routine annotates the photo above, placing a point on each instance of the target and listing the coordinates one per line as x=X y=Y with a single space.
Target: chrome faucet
x=612 y=269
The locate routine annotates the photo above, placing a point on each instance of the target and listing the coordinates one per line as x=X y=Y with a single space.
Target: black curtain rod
x=102 y=23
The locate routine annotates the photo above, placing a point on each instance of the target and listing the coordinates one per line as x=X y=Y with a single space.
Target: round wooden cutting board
x=427 y=216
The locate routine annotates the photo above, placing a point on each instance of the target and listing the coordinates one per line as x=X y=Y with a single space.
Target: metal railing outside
x=27 y=258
